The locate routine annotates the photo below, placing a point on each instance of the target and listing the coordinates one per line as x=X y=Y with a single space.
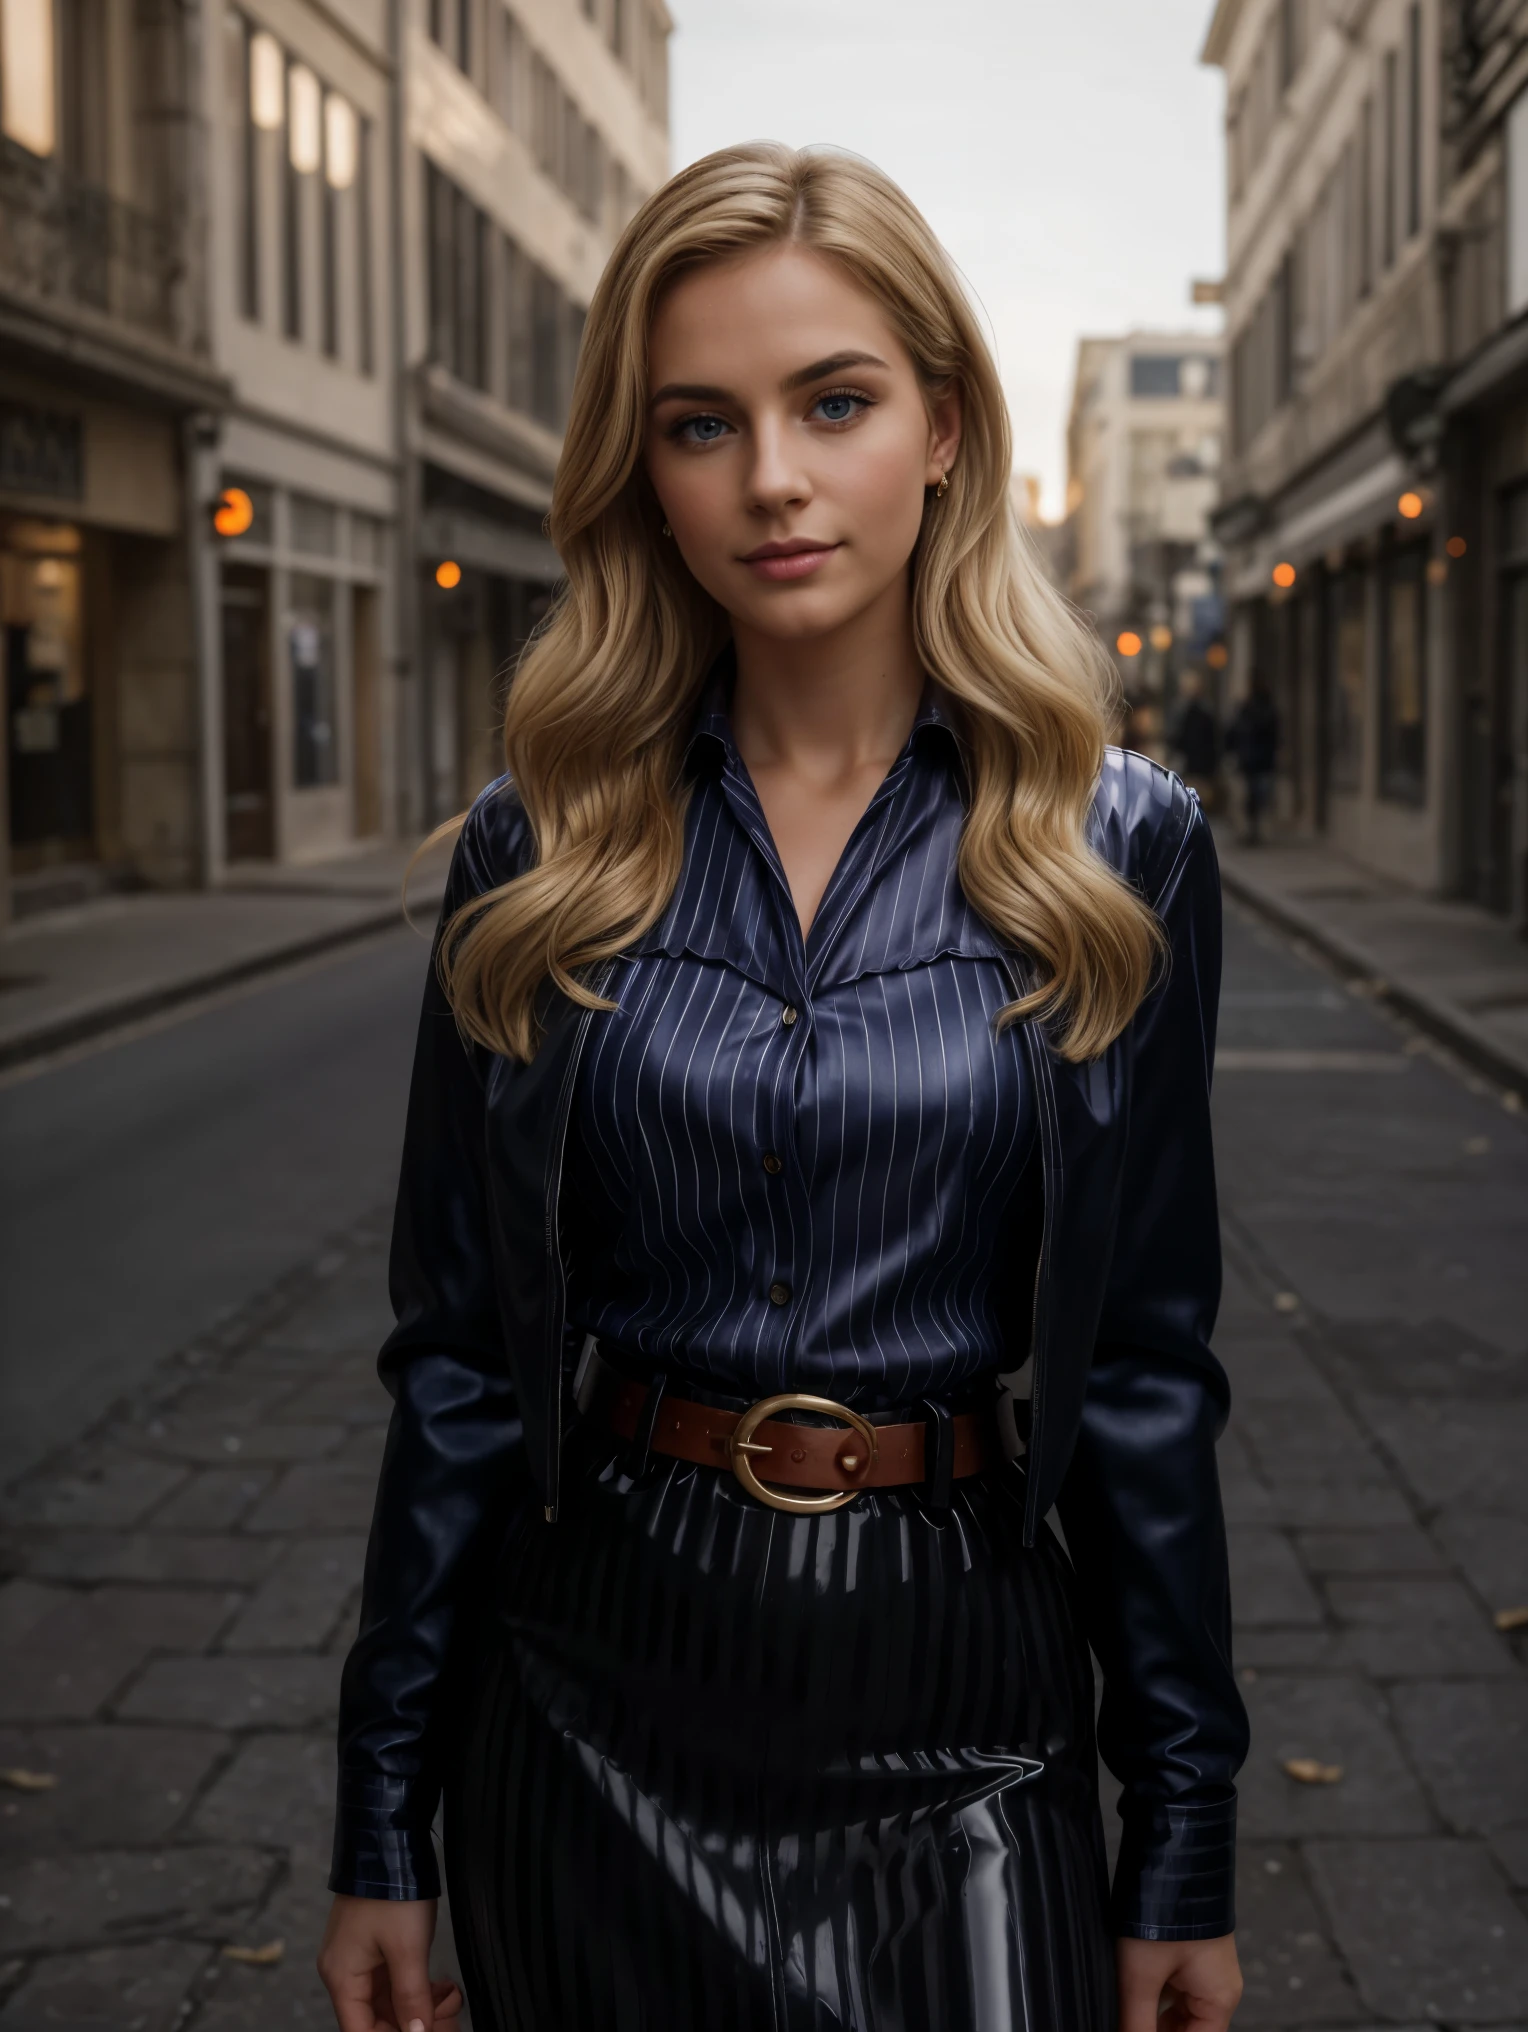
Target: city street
x=210 y=1199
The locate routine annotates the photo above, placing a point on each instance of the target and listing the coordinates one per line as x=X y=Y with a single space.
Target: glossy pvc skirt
x=724 y=1769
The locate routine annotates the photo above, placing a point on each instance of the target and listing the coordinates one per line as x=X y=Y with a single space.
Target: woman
x=821 y=1026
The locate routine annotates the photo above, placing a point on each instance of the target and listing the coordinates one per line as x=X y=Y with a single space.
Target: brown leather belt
x=756 y=1445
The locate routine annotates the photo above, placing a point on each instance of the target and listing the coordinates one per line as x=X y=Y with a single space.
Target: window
x=243 y=135
x=28 y=93
x=458 y=238
x=82 y=61
x=316 y=756
x=464 y=36
x=1388 y=168
x=1347 y=663
x=1195 y=375
x=1403 y=678
x=315 y=526
x=1365 y=199
x=1413 y=120
x=365 y=288
x=547 y=329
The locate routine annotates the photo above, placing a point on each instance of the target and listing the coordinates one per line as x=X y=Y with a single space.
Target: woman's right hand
x=375 y=1963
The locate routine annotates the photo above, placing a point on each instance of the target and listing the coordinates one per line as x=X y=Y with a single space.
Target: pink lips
x=785 y=561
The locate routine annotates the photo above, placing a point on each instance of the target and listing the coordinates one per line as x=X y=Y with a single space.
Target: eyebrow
x=701 y=391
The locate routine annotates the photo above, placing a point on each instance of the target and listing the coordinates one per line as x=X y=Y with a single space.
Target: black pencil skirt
x=724 y=1769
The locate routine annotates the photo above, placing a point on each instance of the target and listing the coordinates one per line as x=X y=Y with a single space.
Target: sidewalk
x=71 y=974
x=1458 y=972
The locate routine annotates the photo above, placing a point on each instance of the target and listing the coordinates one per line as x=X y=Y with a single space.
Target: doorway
x=366 y=717
x=248 y=807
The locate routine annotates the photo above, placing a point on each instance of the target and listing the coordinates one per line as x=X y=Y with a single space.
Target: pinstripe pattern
x=903 y=1123
x=700 y=1790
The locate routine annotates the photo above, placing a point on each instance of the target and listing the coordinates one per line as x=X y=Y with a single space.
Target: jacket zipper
x=557 y=1277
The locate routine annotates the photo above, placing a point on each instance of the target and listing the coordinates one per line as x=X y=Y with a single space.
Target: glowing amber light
x=1217 y=656
x=1410 y=505
x=448 y=574
x=1161 y=637
x=1456 y=546
x=234 y=513
x=1284 y=575
x=1128 y=644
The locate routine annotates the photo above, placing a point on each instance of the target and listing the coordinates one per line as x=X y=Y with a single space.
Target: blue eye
x=702 y=429
x=840 y=405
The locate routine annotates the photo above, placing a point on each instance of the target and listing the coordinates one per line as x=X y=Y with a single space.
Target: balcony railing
x=76 y=246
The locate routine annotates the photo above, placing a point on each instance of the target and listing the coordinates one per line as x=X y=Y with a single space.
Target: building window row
x=1286 y=41
x=498 y=322
x=303 y=199
x=1368 y=209
x=530 y=98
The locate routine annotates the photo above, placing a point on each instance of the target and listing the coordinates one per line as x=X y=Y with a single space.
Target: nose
x=776 y=477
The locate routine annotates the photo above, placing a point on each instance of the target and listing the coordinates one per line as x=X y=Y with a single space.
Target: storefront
x=310 y=732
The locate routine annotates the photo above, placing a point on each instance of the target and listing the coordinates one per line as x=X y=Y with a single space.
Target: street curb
x=57 y=1035
x=1440 y=1020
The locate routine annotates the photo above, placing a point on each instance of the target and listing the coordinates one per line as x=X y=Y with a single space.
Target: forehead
x=768 y=312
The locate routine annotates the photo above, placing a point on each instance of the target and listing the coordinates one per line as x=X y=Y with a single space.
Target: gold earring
x=944 y=485
x=666 y=530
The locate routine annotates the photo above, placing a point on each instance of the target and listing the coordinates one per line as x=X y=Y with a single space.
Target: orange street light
x=1284 y=575
x=233 y=513
x=1128 y=643
x=448 y=574
x=1217 y=656
x=1456 y=546
x=1409 y=505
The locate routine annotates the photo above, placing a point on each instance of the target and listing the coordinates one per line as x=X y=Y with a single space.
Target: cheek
x=883 y=489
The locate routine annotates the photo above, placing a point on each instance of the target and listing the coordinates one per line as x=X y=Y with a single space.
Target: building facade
x=108 y=389
x=308 y=689
x=291 y=293
x=1337 y=315
x=1143 y=459
x=534 y=129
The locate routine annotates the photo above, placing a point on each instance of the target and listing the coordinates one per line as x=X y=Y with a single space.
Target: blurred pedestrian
x=1194 y=740
x=1253 y=738
x=722 y=1081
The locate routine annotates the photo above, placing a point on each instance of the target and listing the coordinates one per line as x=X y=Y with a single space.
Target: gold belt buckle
x=742 y=1446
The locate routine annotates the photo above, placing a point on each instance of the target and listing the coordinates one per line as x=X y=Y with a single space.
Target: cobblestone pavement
x=182 y=1582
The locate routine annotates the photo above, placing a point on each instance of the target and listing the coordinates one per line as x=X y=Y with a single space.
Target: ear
x=946 y=414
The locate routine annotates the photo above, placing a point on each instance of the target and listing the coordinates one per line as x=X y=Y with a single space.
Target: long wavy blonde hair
x=600 y=708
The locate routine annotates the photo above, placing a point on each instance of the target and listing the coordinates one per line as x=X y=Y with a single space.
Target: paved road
x=183 y=1584
x=152 y=1186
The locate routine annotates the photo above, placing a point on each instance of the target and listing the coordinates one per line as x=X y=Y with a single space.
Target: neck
x=840 y=700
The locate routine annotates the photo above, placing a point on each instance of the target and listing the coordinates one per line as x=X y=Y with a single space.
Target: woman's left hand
x=1178 y=1985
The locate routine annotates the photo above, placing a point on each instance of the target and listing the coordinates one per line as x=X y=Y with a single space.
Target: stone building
x=534 y=129
x=107 y=387
x=1143 y=458
x=309 y=740
x=1336 y=296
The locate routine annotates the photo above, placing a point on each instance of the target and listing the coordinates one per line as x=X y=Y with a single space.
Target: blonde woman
x=820 y=1028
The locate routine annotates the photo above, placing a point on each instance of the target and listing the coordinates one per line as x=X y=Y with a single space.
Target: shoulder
x=1143 y=816
x=495 y=843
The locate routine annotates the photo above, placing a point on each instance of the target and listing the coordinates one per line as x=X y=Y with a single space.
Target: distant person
x=1194 y=739
x=813 y=939
x=1253 y=738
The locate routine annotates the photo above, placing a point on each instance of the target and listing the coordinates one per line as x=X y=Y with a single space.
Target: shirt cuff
x=382 y=1842
x=1176 y=1876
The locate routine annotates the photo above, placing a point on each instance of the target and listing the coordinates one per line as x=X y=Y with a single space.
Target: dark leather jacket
x=1127 y=1398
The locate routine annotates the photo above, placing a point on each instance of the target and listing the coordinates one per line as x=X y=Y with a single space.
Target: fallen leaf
x=21 y=1780
x=1511 y=1619
x=1310 y=1771
x=257 y=1957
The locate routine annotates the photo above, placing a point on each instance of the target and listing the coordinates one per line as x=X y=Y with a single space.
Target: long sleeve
x=453 y=1469
x=1141 y=1502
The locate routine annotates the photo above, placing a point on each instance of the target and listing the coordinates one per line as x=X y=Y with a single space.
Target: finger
x=408 y=1978
x=448 y=2000
x=351 y=1995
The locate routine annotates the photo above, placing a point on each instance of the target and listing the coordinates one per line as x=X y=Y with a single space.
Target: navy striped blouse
x=797 y=1165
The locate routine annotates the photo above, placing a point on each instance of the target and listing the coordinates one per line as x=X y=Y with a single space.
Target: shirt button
x=772 y=1163
x=779 y=1294
x=788 y=1014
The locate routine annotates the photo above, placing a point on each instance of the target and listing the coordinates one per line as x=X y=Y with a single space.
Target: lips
x=797 y=558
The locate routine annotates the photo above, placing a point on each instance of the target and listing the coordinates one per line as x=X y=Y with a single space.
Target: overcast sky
x=1067 y=151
